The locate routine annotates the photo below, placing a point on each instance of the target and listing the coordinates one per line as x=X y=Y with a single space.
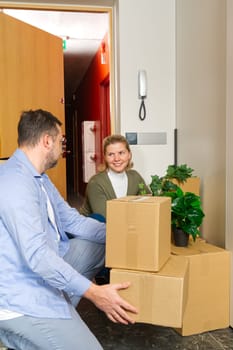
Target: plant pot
x=180 y=237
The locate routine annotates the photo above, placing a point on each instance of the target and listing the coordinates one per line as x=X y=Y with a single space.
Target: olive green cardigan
x=99 y=190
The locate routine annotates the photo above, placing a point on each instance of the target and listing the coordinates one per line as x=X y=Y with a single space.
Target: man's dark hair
x=33 y=124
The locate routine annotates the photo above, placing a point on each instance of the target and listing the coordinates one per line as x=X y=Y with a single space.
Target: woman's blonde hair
x=110 y=140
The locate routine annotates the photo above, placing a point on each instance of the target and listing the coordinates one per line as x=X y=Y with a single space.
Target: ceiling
x=82 y=32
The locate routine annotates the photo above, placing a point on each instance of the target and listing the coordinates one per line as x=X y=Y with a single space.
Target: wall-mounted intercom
x=142 y=92
x=142 y=84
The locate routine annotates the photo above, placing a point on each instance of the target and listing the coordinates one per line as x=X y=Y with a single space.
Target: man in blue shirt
x=43 y=272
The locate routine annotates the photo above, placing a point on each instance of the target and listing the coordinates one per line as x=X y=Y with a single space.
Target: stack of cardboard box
x=184 y=288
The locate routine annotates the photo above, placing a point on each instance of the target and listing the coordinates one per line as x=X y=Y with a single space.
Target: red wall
x=88 y=93
x=88 y=98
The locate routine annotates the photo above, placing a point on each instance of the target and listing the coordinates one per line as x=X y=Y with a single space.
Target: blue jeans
x=32 y=333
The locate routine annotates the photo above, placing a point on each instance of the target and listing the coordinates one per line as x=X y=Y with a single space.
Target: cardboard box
x=192 y=184
x=159 y=297
x=138 y=232
x=207 y=305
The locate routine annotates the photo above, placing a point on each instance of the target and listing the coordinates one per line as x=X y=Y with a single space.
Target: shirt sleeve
x=21 y=207
x=75 y=223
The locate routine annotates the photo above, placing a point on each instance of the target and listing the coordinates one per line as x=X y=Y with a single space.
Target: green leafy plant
x=160 y=185
x=156 y=185
x=142 y=189
x=186 y=209
x=179 y=172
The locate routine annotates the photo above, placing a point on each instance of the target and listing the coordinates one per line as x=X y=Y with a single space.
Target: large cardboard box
x=159 y=297
x=192 y=184
x=138 y=232
x=207 y=305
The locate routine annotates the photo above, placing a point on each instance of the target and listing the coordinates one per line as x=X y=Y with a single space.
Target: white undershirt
x=51 y=212
x=8 y=315
x=119 y=183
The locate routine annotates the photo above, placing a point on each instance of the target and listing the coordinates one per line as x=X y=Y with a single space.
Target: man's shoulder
x=14 y=176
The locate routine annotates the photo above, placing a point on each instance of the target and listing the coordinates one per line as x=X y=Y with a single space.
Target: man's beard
x=51 y=161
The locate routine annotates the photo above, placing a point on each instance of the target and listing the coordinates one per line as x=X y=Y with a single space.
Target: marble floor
x=149 y=337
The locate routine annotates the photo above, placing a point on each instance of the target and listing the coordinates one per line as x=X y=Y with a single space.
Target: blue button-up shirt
x=33 y=274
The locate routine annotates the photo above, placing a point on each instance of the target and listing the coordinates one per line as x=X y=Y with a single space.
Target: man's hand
x=107 y=299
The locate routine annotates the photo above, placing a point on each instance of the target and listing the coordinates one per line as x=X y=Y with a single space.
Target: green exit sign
x=64 y=44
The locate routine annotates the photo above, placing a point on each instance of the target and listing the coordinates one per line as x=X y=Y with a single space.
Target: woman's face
x=117 y=157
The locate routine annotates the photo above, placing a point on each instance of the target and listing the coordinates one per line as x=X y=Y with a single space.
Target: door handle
x=93 y=157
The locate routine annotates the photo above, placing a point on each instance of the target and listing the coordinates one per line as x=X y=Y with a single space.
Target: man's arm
x=73 y=222
x=24 y=215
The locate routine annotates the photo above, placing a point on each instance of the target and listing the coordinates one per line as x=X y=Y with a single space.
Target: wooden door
x=31 y=77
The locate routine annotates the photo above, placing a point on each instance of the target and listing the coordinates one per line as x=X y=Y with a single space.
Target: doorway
x=73 y=129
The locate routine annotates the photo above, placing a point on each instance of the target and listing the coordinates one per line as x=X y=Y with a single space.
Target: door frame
x=108 y=6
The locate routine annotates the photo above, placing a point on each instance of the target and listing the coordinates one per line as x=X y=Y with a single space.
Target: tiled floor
x=149 y=337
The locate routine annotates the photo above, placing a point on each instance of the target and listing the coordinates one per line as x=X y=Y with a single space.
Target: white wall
x=182 y=46
x=147 y=41
x=201 y=103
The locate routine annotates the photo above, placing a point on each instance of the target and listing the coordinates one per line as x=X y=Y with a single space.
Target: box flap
x=144 y=199
x=194 y=248
x=174 y=267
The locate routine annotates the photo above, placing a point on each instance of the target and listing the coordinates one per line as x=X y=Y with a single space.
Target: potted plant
x=186 y=209
x=186 y=215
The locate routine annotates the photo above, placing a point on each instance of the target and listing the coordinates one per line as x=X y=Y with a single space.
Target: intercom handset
x=142 y=92
x=142 y=84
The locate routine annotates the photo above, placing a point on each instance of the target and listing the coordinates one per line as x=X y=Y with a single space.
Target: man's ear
x=47 y=141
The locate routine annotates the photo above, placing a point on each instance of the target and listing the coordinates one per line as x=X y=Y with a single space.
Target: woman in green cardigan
x=116 y=179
